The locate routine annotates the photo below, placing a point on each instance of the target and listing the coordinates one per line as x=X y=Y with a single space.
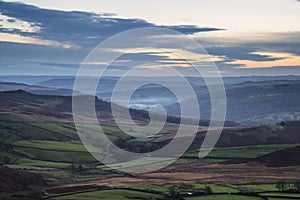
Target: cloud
x=79 y=28
x=257 y=51
x=11 y=24
x=33 y=37
x=36 y=40
x=113 y=66
x=7 y=37
x=241 y=53
x=244 y=44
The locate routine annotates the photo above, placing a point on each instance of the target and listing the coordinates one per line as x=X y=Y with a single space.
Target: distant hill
x=249 y=103
x=254 y=100
x=254 y=103
x=23 y=106
x=27 y=79
x=10 y=86
x=251 y=100
x=228 y=80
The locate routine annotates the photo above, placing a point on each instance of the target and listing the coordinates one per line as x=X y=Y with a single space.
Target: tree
x=282 y=123
x=208 y=190
x=297 y=186
x=6 y=160
x=282 y=186
x=122 y=142
x=173 y=192
x=72 y=164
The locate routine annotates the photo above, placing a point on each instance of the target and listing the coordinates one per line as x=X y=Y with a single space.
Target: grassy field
x=112 y=195
x=59 y=128
x=223 y=197
x=40 y=163
x=217 y=188
x=163 y=193
x=241 y=152
x=281 y=194
x=257 y=187
x=54 y=149
x=56 y=145
x=75 y=146
x=56 y=156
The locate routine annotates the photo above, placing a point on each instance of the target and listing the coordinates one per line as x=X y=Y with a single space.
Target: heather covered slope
x=12 y=180
x=282 y=158
x=23 y=106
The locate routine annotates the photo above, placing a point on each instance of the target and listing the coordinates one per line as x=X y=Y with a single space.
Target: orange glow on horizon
x=284 y=60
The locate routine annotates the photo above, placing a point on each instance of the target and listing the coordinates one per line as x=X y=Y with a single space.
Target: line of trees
x=288 y=187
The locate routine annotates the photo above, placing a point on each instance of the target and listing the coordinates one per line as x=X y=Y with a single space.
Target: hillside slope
x=9 y=86
x=16 y=180
x=285 y=157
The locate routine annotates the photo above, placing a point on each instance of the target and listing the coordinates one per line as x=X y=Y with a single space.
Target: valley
x=39 y=137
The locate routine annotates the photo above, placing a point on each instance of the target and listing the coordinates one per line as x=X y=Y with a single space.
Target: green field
x=54 y=149
x=217 y=188
x=281 y=194
x=57 y=145
x=58 y=128
x=56 y=156
x=75 y=146
x=258 y=187
x=39 y=163
x=112 y=195
x=223 y=197
x=163 y=193
x=241 y=152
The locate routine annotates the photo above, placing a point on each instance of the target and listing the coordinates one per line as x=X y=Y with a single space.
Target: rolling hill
x=9 y=86
x=281 y=158
x=38 y=135
x=250 y=100
x=21 y=106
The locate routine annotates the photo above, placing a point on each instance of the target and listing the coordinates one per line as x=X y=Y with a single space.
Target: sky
x=249 y=37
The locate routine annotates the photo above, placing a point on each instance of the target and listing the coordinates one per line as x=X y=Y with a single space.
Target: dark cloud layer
x=81 y=28
x=239 y=52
